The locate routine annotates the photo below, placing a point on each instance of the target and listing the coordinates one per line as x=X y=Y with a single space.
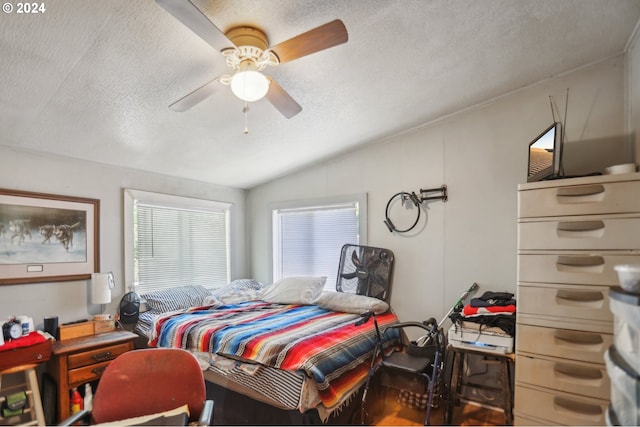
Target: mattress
x=289 y=356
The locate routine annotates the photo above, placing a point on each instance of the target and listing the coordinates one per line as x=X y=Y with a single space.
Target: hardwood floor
x=392 y=413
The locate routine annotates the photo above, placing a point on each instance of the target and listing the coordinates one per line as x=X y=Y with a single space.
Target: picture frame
x=47 y=237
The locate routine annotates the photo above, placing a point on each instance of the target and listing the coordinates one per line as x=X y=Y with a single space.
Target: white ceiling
x=93 y=79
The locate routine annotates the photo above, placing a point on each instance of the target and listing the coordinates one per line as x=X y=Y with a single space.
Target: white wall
x=57 y=175
x=633 y=91
x=481 y=155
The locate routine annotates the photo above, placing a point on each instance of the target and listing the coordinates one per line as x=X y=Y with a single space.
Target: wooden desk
x=77 y=361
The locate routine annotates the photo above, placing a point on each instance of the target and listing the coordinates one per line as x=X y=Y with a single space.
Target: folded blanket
x=469 y=311
x=506 y=322
x=491 y=298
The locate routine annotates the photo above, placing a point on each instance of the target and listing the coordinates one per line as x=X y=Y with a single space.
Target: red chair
x=149 y=381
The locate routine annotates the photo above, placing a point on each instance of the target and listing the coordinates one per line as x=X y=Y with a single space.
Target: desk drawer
x=87 y=373
x=565 y=343
x=587 y=379
x=562 y=408
x=567 y=301
x=585 y=199
x=580 y=233
x=581 y=268
x=97 y=355
x=18 y=356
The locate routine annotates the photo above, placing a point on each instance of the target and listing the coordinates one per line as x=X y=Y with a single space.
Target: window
x=308 y=236
x=175 y=241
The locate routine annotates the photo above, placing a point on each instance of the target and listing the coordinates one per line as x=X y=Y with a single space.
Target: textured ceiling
x=93 y=79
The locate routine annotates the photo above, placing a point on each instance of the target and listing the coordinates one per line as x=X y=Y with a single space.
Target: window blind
x=307 y=241
x=176 y=246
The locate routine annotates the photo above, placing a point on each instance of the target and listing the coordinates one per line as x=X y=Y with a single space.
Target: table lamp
x=101 y=285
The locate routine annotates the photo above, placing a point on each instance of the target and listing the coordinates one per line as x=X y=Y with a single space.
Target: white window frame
x=130 y=198
x=321 y=203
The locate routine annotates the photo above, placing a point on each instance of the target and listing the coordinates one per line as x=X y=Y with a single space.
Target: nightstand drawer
x=98 y=355
x=585 y=199
x=87 y=373
x=581 y=233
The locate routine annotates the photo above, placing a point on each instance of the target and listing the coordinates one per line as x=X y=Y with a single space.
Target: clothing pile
x=491 y=310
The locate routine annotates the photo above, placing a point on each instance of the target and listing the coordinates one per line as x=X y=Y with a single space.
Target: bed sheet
x=331 y=352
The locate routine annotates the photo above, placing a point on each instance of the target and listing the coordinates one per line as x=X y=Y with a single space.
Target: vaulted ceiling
x=93 y=79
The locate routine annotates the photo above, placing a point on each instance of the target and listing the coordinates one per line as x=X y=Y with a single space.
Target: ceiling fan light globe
x=249 y=85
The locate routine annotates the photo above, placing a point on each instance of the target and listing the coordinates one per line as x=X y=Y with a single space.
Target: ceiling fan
x=247 y=54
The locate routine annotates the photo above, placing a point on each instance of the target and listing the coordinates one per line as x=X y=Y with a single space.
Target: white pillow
x=293 y=290
x=350 y=303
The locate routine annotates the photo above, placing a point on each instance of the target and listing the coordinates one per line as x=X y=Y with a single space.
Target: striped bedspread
x=326 y=345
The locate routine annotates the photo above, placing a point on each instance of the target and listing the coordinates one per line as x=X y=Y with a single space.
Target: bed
x=290 y=345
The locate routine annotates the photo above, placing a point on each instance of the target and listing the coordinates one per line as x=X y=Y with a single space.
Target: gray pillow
x=176 y=298
x=293 y=290
x=350 y=303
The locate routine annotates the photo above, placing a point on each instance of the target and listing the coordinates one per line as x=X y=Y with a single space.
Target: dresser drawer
x=583 y=199
x=587 y=379
x=566 y=343
x=87 y=373
x=580 y=233
x=581 y=268
x=527 y=420
x=570 y=301
x=98 y=355
x=562 y=408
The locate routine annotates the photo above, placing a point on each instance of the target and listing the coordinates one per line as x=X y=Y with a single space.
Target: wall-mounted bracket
x=417 y=200
x=443 y=194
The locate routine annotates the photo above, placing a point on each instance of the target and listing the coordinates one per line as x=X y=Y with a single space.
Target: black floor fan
x=365 y=270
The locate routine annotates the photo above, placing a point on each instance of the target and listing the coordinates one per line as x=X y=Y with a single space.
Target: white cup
x=618 y=169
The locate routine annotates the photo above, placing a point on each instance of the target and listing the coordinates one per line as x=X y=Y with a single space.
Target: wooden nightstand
x=77 y=361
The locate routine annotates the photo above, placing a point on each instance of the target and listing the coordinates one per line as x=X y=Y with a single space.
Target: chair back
x=149 y=381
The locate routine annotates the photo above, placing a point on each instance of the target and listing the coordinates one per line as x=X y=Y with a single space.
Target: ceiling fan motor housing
x=248 y=36
x=251 y=48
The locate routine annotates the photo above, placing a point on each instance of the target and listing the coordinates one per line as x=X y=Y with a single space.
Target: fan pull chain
x=245 y=110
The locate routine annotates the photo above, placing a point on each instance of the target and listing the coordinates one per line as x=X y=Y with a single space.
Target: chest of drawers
x=77 y=361
x=571 y=233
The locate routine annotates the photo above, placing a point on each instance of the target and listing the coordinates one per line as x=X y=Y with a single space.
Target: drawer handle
x=99 y=371
x=562 y=404
x=580 y=261
x=39 y=356
x=577 y=373
x=579 y=296
x=578 y=338
x=578 y=226
x=582 y=190
x=101 y=357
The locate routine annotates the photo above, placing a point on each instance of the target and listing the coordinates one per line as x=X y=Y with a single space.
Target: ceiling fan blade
x=193 y=18
x=197 y=96
x=282 y=100
x=320 y=38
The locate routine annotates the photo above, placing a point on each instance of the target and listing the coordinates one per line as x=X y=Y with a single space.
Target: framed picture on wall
x=47 y=237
